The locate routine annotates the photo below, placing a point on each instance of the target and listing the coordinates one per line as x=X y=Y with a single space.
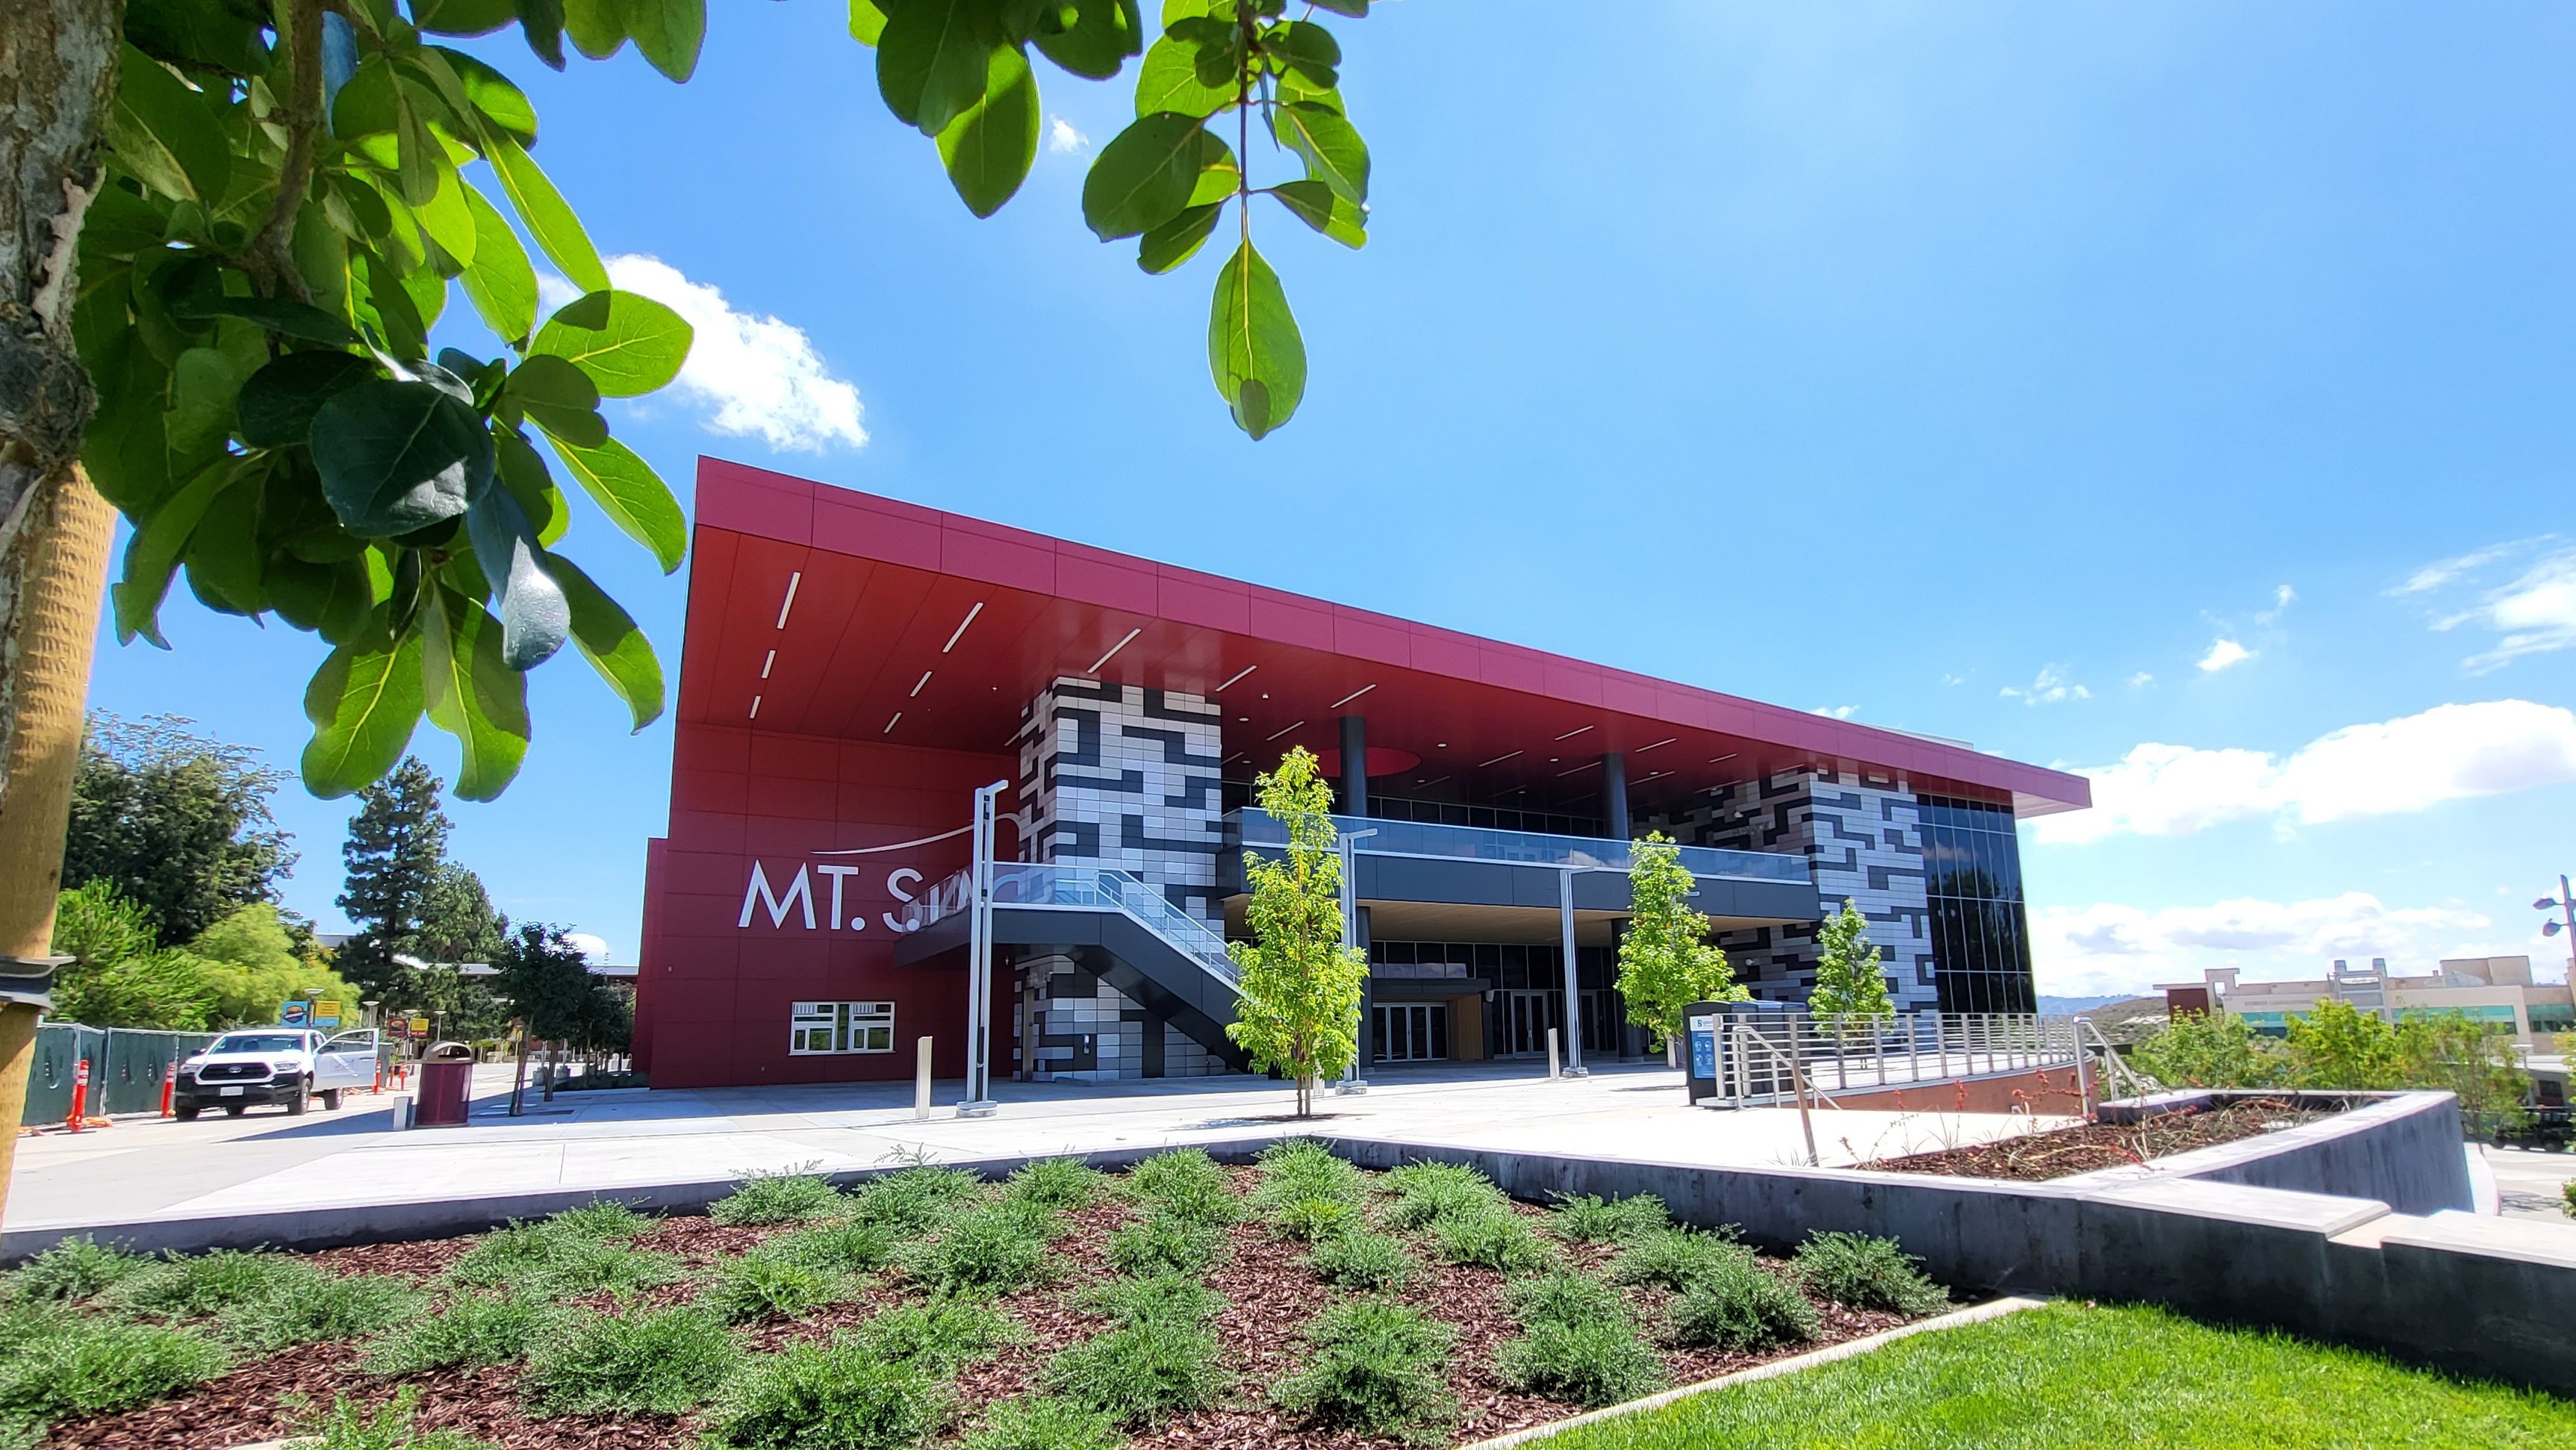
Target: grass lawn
x=2077 y=1376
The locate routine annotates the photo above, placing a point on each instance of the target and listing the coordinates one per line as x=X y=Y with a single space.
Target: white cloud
x=758 y=375
x=2223 y=653
x=2531 y=612
x=2447 y=753
x=2442 y=572
x=1838 y=712
x=2283 y=596
x=593 y=947
x=2051 y=688
x=2110 y=947
x=2141 y=680
x=1062 y=138
x=1949 y=679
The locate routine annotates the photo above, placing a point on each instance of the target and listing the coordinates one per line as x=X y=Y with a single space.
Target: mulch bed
x=2063 y=1152
x=1270 y=1293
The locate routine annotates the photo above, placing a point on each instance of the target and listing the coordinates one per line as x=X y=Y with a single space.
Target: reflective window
x=1980 y=929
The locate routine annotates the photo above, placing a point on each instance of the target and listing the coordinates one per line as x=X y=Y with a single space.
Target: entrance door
x=1411 y=1031
x=1527 y=1016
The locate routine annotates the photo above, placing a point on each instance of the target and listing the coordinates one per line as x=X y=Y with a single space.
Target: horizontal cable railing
x=1082 y=888
x=1255 y=827
x=1846 y=1054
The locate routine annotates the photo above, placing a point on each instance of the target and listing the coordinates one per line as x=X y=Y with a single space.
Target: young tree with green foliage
x=1299 y=1009
x=396 y=848
x=2210 y=1050
x=548 y=981
x=1848 y=981
x=2472 y=1061
x=119 y=975
x=178 y=822
x=1666 y=961
x=251 y=962
x=2336 y=1045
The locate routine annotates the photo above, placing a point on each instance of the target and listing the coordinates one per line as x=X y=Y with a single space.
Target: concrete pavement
x=2531 y=1183
x=581 y=1141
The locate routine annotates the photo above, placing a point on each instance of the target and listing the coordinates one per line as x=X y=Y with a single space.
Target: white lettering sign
x=802 y=891
x=760 y=895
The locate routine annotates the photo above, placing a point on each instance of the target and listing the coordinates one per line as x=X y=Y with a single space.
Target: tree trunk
x=57 y=82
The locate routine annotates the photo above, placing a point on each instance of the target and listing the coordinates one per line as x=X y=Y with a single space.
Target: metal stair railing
x=1085 y=888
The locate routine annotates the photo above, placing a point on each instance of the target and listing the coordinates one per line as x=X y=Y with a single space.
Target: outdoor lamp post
x=1573 y=983
x=2565 y=904
x=1348 y=844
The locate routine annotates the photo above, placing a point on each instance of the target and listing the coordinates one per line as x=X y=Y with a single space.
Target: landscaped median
x=1300 y=1300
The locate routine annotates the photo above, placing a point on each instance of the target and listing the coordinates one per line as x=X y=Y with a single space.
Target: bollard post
x=921 y=1078
x=80 y=1096
x=1552 y=1069
x=169 y=1080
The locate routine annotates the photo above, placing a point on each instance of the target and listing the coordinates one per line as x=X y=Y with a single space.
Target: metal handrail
x=1071 y=888
x=2110 y=1056
x=1797 y=1084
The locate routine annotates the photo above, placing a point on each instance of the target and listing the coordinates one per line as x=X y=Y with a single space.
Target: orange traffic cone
x=80 y=1096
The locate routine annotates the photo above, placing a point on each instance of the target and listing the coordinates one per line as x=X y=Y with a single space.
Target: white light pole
x=2565 y=903
x=979 y=959
x=1348 y=845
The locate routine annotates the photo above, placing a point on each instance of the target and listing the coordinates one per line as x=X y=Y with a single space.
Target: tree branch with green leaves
x=1666 y=961
x=1299 y=981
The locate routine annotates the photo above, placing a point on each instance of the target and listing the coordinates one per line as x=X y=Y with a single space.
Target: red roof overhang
x=871 y=648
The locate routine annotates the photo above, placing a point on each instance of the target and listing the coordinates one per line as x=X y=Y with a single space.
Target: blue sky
x=2179 y=392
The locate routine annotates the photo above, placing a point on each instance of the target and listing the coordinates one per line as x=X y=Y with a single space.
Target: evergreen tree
x=1300 y=1006
x=396 y=848
x=178 y=823
x=1848 y=980
x=1666 y=961
x=547 y=980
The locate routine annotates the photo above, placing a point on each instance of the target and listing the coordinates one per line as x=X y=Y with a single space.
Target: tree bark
x=58 y=61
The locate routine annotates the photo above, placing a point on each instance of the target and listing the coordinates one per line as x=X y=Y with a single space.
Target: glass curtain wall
x=1980 y=927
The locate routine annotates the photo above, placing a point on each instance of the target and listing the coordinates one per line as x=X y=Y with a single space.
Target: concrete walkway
x=2531 y=1183
x=151 y=1168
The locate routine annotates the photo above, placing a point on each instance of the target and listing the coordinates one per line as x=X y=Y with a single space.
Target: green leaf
x=632 y=495
x=419 y=160
x=608 y=638
x=167 y=136
x=1305 y=47
x=931 y=61
x=1293 y=87
x=1219 y=177
x=396 y=457
x=1254 y=352
x=1319 y=207
x=542 y=22
x=524 y=473
x=560 y=398
x=1169 y=81
x=203 y=384
x=223 y=557
x=462 y=17
x=280 y=315
x=1143 y=177
x=534 y=617
x=364 y=703
x=1179 y=239
x=1334 y=153
x=332 y=598
x=629 y=344
x=668 y=33
x=989 y=149
x=198 y=34
x=277 y=403
x=501 y=283
x=542 y=208
x=449 y=219
x=1356 y=9
x=493 y=95
x=152 y=555
x=597 y=27
x=1104 y=33
x=472 y=694
x=867 y=22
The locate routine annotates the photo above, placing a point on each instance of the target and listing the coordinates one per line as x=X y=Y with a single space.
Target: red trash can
x=446 y=1086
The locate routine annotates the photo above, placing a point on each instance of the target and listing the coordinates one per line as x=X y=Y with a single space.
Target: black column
x=1614 y=795
x=1354 y=795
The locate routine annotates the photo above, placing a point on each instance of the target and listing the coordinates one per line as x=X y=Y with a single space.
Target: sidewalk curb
x=1973 y=1314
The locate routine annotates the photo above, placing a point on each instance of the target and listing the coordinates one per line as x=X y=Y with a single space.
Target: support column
x=1367 y=1056
x=1573 y=983
x=1354 y=801
x=1614 y=795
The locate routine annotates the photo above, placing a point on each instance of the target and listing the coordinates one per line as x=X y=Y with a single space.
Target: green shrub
x=1184 y=1184
x=988 y=1250
x=1586 y=1218
x=188 y=1288
x=24 y=1320
x=778 y=1198
x=629 y=1363
x=1302 y=1171
x=941 y=1337
x=1671 y=1258
x=762 y=1284
x=348 y=1426
x=1313 y=1220
x=836 y=1395
x=1429 y=1193
x=604 y=1219
x=472 y=1329
x=1867 y=1273
x=88 y=1366
x=1743 y=1306
x=1168 y=1296
x=74 y=1268
x=916 y=1200
x=1375 y=1366
x=1041 y=1422
x=1597 y=1363
x=556 y=1261
x=1566 y=1296
x=1358 y=1259
x=838 y=1248
x=1495 y=1238
x=330 y=1307
x=1142 y=1372
x=1161 y=1244
x=1055 y=1184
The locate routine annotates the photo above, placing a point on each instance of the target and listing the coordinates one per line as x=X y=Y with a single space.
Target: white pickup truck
x=286 y=1066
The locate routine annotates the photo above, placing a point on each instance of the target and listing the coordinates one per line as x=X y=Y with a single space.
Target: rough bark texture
x=57 y=82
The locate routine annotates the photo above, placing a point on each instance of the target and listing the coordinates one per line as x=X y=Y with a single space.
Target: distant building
x=2497 y=991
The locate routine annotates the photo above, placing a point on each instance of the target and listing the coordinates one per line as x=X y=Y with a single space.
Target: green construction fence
x=126 y=1069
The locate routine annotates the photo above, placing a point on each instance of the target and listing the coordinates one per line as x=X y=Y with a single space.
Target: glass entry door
x=1526 y=1018
x=1411 y=1031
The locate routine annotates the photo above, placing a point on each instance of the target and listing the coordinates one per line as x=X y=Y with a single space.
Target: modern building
x=2497 y=991
x=854 y=668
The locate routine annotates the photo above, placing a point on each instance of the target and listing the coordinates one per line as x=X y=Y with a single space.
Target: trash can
x=446 y=1086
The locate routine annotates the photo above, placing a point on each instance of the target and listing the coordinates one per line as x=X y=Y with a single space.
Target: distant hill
x=2069 y=1006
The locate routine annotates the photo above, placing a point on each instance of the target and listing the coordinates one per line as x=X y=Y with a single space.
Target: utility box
x=446 y=1086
